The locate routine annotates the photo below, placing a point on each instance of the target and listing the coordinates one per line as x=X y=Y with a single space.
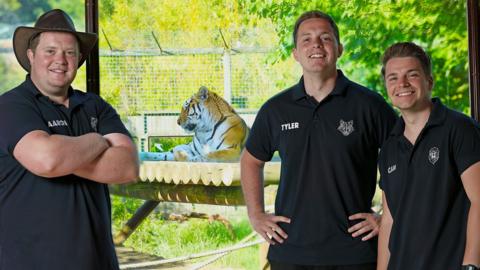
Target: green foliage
x=74 y=8
x=171 y=239
x=10 y=72
x=123 y=208
x=123 y=16
x=367 y=28
x=30 y=10
x=26 y=11
x=8 y=9
x=244 y=259
x=167 y=143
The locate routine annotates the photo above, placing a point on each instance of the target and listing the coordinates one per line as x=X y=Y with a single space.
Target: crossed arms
x=111 y=158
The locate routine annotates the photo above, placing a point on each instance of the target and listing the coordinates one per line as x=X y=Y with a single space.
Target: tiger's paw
x=197 y=159
x=181 y=156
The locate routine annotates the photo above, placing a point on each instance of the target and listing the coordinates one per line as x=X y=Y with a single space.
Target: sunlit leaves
x=367 y=28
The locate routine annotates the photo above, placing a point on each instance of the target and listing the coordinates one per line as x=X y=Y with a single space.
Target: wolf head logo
x=93 y=123
x=346 y=127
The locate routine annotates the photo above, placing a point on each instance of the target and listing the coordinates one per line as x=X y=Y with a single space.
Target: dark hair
x=314 y=14
x=407 y=49
x=33 y=42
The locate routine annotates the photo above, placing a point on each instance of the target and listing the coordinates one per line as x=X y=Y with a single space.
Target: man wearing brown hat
x=59 y=147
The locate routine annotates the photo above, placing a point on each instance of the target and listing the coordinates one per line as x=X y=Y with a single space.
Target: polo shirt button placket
x=316 y=116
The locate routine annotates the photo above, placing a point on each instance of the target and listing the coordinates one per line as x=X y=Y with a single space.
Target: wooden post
x=227 y=76
x=93 y=67
x=134 y=221
x=474 y=56
x=263 y=252
x=220 y=195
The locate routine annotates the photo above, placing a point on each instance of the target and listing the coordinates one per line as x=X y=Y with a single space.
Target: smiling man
x=59 y=147
x=430 y=173
x=327 y=131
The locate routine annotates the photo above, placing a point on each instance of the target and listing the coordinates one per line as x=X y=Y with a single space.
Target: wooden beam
x=221 y=195
x=93 y=67
x=474 y=56
x=132 y=224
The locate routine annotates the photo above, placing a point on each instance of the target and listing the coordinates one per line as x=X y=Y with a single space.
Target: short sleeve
x=381 y=168
x=108 y=119
x=385 y=121
x=17 y=118
x=260 y=142
x=466 y=144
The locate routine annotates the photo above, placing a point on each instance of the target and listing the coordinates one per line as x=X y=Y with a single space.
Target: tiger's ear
x=203 y=93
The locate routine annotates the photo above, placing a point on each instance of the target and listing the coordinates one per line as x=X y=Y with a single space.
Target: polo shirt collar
x=436 y=118
x=438 y=115
x=31 y=86
x=341 y=85
x=75 y=98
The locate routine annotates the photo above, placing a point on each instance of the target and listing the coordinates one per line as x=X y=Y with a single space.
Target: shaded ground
x=128 y=256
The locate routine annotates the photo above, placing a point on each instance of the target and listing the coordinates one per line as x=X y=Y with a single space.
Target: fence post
x=227 y=76
x=473 y=26
x=93 y=66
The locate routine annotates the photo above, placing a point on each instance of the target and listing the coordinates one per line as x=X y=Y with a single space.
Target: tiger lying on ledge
x=219 y=132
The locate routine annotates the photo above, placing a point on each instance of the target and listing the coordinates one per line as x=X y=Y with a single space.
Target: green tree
x=30 y=10
x=74 y=8
x=367 y=28
x=10 y=72
x=24 y=11
x=7 y=11
x=180 y=27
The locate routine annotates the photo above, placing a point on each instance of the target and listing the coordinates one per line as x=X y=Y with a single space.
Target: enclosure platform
x=201 y=173
x=192 y=182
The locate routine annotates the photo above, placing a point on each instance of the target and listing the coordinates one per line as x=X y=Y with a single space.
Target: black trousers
x=286 y=266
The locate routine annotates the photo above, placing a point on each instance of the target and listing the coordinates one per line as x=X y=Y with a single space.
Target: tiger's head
x=203 y=109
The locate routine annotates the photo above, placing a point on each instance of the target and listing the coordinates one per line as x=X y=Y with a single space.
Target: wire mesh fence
x=138 y=82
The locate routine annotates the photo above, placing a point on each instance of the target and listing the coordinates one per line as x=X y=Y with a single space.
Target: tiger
x=219 y=132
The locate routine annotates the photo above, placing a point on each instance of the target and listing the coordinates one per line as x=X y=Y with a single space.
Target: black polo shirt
x=53 y=223
x=329 y=166
x=424 y=191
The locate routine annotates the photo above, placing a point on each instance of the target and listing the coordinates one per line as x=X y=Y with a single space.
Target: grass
x=171 y=239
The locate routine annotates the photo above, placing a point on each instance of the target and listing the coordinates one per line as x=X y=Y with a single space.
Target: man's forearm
x=118 y=164
x=383 y=239
x=252 y=184
x=265 y=224
x=252 y=187
x=384 y=236
x=75 y=152
x=58 y=155
x=472 y=247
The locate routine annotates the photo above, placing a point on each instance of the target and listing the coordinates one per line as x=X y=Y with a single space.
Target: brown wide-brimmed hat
x=55 y=20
